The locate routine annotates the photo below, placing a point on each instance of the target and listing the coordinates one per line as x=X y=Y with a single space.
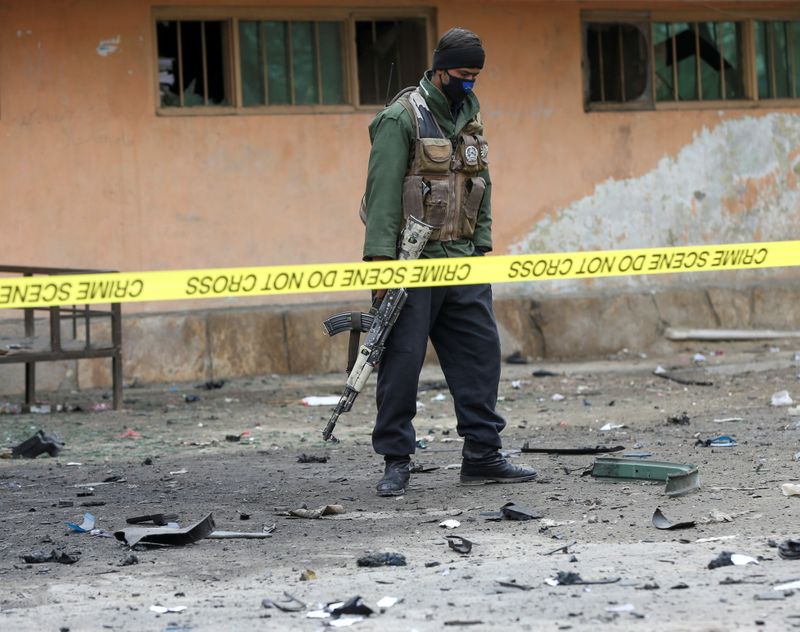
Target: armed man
x=429 y=160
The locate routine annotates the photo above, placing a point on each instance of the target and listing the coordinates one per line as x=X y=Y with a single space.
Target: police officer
x=429 y=159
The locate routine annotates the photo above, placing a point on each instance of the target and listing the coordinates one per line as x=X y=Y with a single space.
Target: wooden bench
x=28 y=345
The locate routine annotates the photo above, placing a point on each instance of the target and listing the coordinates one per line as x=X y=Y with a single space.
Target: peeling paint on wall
x=108 y=47
x=737 y=182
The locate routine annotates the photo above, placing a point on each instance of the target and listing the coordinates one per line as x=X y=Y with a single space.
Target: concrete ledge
x=227 y=343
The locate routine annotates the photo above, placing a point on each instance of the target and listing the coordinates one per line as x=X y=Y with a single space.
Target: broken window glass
x=286 y=62
x=778 y=59
x=192 y=63
x=618 y=63
x=392 y=54
x=697 y=61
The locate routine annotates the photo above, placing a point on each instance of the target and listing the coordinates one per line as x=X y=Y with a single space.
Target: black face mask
x=457 y=89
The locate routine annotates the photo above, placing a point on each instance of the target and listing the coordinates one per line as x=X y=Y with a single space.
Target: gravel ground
x=179 y=461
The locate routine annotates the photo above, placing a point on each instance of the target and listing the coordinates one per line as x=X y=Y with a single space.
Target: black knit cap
x=458 y=48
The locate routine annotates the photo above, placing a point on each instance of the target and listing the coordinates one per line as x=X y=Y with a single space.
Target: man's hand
x=379 y=294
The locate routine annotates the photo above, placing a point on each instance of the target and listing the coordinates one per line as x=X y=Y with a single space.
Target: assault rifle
x=377 y=323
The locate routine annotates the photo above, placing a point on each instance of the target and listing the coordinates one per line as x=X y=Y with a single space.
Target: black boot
x=484 y=464
x=395 y=476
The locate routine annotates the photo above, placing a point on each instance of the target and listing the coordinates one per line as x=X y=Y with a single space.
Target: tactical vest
x=441 y=186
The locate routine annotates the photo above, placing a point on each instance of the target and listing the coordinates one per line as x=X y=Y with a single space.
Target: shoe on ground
x=494 y=469
x=395 y=477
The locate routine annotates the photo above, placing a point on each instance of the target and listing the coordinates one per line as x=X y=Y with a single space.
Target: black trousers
x=461 y=326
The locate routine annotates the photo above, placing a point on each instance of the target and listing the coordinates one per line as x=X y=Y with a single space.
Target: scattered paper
x=387 y=602
x=782 y=398
x=611 y=426
x=742 y=560
x=557 y=397
x=626 y=607
x=450 y=524
x=795 y=585
x=790 y=489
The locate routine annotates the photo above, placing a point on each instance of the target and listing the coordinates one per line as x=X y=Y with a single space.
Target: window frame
x=749 y=71
x=232 y=17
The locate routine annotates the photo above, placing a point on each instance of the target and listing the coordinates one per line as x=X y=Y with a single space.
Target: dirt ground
x=183 y=464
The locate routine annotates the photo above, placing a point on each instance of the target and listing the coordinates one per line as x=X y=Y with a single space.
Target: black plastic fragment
x=158 y=519
x=38 y=444
x=598 y=449
x=459 y=544
x=660 y=521
x=723 y=559
x=374 y=560
x=311 y=458
x=789 y=549
x=354 y=605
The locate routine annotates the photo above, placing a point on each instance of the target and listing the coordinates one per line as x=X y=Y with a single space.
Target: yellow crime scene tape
x=168 y=285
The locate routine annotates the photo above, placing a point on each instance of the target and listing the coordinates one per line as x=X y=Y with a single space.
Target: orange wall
x=92 y=177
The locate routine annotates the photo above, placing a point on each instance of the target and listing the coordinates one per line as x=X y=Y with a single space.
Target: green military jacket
x=392 y=135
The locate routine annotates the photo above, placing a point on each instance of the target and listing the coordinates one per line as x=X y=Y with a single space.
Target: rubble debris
x=723 y=441
x=325 y=510
x=563 y=548
x=59 y=557
x=450 y=524
x=568 y=578
x=517 y=358
x=459 y=544
x=789 y=549
x=374 y=560
x=782 y=398
x=660 y=521
x=129 y=433
x=460 y=622
x=38 y=444
x=558 y=397
x=544 y=373
x=680 y=420
x=129 y=560
x=598 y=449
x=419 y=468
x=290 y=604
x=335 y=610
x=211 y=385
x=726 y=558
x=311 y=458
x=512 y=583
x=660 y=371
x=620 y=609
x=167 y=536
x=86 y=526
x=511 y=511
x=158 y=519
x=308 y=575
x=680 y=479
x=234 y=438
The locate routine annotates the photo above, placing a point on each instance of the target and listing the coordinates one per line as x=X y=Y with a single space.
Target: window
x=391 y=55
x=265 y=60
x=191 y=63
x=651 y=61
x=778 y=59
